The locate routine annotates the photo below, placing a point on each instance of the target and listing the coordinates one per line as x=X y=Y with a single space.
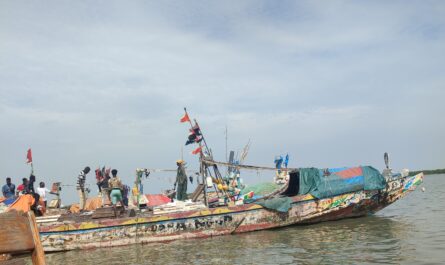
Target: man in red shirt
x=23 y=188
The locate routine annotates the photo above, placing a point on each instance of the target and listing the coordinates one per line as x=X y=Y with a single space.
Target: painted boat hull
x=305 y=209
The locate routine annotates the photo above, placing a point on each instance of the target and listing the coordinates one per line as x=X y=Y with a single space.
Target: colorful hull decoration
x=70 y=235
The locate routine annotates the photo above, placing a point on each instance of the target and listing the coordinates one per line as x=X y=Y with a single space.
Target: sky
x=337 y=83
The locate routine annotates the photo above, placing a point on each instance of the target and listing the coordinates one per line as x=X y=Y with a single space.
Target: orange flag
x=29 y=156
x=197 y=150
x=185 y=118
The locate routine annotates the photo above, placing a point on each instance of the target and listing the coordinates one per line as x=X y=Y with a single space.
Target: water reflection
x=370 y=239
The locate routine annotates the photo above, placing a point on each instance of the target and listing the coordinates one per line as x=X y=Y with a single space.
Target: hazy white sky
x=333 y=83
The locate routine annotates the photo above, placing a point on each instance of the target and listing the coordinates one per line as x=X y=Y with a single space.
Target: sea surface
x=411 y=231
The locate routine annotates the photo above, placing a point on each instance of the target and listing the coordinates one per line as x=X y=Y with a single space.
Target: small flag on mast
x=29 y=156
x=195 y=130
x=197 y=150
x=185 y=118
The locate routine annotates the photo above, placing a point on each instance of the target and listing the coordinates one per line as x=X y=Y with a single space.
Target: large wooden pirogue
x=309 y=195
x=84 y=232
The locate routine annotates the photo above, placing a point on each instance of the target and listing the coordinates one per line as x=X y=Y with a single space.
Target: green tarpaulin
x=261 y=188
x=277 y=204
x=324 y=183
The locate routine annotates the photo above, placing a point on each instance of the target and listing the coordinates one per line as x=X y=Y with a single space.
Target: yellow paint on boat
x=131 y=221
x=88 y=225
x=156 y=218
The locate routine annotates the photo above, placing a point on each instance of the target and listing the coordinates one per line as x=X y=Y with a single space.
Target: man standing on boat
x=23 y=188
x=81 y=187
x=8 y=189
x=105 y=187
x=181 y=181
x=43 y=191
x=115 y=185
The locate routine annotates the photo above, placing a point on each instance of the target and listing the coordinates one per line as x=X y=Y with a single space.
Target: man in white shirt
x=42 y=191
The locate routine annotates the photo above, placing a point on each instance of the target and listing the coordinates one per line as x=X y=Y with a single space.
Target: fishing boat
x=307 y=196
x=84 y=232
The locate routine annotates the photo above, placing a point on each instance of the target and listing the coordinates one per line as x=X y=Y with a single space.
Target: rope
x=74 y=185
x=249 y=167
x=168 y=170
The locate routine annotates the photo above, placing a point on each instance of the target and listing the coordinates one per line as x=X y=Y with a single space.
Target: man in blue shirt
x=8 y=190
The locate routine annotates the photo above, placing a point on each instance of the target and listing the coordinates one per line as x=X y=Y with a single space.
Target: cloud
x=330 y=83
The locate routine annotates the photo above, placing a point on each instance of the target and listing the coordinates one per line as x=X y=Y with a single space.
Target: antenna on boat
x=226 y=144
x=244 y=152
x=386 y=158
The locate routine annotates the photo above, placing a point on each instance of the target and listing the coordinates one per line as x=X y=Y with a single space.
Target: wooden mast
x=202 y=166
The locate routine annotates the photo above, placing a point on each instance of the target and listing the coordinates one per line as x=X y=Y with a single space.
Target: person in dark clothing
x=99 y=179
x=31 y=181
x=105 y=189
x=28 y=188
x=181 y=181
x=125 y=192
x=36 y=196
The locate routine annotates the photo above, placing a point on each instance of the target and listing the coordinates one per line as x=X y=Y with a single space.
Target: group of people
x=9 y=191
x=111 y=188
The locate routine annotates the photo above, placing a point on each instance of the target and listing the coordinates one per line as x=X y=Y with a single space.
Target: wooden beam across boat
x=212 y=162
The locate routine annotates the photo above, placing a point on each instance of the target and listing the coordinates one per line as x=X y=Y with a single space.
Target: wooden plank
x=38 y=255
x=15 y=233
x=103 y=213
x=54 y=203
x=197 y=192
x=106 y=212
x=47 y=217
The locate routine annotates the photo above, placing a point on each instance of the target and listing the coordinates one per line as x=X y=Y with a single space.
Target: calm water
x=411 y=231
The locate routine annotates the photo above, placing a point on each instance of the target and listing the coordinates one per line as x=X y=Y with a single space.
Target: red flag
x=185 y=118
x=29 y=156
x=197 y=150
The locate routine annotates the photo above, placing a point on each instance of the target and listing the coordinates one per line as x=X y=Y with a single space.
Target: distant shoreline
x=428 y=172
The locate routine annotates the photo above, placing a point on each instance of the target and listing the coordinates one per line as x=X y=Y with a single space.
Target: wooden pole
x=203 y=139
x=202 y=135
x=38 y=255
x=227 y=159
x=137 y=182
x=207 y=149
x=202 y=167
x=203 y=174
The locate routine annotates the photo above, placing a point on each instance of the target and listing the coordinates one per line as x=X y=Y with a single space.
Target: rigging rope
x=211 y=162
